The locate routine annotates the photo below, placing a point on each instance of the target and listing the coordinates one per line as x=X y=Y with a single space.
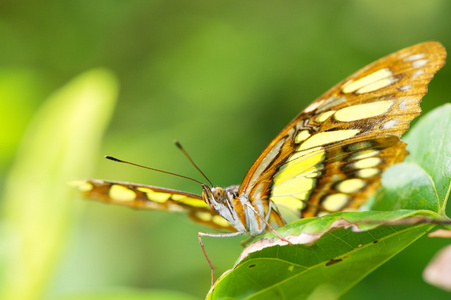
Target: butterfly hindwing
x=331 y=156
x=140 y=196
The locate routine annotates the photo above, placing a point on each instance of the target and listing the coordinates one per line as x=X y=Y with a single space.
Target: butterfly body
x=329 y=158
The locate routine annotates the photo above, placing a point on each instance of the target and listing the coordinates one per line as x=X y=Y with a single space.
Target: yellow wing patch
x=363 y=111
x=371 y=82
x=335 y=202
x=328 y=137
x=121 y=193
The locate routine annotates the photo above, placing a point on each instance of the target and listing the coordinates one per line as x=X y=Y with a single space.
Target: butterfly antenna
x=177 y=143
x=161 y=171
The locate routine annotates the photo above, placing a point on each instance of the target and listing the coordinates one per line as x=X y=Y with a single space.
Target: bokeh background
x=222 y=77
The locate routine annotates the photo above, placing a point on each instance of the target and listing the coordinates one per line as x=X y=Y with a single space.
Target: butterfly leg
x=267 y=224
x=246 y=241
x=200 y=235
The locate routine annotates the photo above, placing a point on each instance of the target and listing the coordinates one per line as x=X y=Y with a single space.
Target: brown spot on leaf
x=333 y=261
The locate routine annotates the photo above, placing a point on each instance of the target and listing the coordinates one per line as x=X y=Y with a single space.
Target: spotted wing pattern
x=153 y=198
x=331 y=156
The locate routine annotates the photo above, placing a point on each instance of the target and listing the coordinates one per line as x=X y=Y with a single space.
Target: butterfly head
x=223 y=202
x=214 y=196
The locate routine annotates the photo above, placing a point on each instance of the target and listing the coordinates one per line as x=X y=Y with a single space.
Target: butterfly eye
x=219 y=194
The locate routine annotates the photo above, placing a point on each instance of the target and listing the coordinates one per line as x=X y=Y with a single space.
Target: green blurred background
x=223 y=77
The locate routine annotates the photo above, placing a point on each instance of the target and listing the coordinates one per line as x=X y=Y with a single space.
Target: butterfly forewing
x=331 y=156
x=153 y=198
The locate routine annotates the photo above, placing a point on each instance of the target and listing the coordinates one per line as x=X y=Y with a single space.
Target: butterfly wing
x=153 y=198
x=331 y=156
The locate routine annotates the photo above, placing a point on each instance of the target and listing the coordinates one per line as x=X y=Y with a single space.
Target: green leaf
x=329 y=253
x=334 y=252
x=423 y=180
x=37 y=210
x=429 y=144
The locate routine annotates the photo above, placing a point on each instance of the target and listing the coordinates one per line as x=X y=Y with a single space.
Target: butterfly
x=328 y=159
